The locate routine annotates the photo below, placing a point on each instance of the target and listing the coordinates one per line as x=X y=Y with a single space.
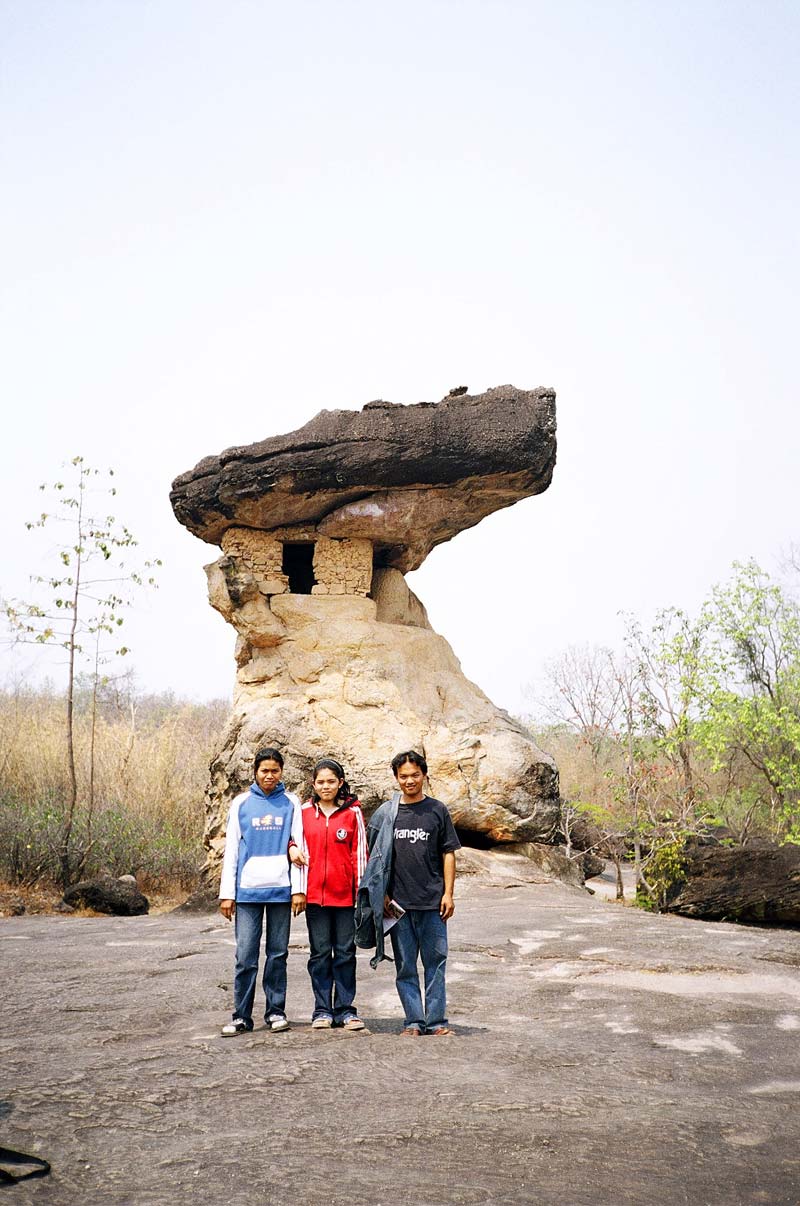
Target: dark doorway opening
x=477 y=841
x=298 y=566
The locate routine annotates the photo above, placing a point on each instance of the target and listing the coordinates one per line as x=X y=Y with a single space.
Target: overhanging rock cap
x=405 y=477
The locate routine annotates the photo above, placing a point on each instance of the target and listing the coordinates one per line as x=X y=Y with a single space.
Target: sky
x=218 y=219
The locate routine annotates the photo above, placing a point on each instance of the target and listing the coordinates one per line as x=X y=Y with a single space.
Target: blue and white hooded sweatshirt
x=256 y=867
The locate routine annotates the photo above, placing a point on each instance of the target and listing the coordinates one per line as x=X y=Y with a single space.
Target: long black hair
x=331 y=764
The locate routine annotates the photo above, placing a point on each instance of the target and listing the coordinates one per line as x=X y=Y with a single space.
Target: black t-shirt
x=423 y=832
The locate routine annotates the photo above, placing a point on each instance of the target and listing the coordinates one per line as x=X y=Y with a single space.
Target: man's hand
x=227 y=908
x=447 y=908
x=298 y=903
x=297 y=858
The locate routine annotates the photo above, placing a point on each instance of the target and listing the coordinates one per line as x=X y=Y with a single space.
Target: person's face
x=410 y=779
x=268 y=775
x=326 y=785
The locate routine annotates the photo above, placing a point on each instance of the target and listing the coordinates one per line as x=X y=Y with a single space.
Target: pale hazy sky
x=219 y=218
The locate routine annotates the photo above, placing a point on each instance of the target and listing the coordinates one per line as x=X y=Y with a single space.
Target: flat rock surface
x=602 y=1056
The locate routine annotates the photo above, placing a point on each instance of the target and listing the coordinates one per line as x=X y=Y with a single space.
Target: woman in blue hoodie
x=260 y=888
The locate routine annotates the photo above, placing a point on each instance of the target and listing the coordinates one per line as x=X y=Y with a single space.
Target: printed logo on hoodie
x=268 y=821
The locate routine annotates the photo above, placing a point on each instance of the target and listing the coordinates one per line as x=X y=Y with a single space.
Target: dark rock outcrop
x=204 y=899
x=740 y=885
x=551 y=860
x=405 y=477
x=591 y=865
x=120 y=897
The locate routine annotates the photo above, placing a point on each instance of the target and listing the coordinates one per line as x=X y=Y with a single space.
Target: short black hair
x=264 y=755
x=409 y=756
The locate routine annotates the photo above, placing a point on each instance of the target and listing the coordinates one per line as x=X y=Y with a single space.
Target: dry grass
x=140 y=811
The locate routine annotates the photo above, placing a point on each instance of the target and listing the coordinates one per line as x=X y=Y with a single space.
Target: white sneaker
x=278 y=1021
x=322 y=1023
x=237 y=1026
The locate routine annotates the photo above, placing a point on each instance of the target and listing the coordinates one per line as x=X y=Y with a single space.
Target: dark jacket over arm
x=375 y=880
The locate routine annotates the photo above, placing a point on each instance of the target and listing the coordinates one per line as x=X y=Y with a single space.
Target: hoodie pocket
x=265 y=871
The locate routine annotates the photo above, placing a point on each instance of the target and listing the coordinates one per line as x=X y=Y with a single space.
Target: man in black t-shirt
x=421 y=883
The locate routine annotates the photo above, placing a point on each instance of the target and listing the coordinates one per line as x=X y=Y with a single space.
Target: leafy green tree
x=671 y=661
x=751 y=688
x=79 y=608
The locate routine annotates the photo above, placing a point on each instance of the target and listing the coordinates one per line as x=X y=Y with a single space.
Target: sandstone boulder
x=119 y=897
x=343 y=681
x=740 y=885
x=519 y=863
x=591 y=864
x=551 y=861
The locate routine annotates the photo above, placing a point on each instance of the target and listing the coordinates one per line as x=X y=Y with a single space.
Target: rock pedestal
x=335 y=654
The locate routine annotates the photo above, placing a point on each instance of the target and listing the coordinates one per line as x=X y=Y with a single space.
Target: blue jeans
x=249 y=920
x=332 y=965
x=421 y=933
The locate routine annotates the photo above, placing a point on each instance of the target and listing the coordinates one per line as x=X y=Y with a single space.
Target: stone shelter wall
x=341 y=566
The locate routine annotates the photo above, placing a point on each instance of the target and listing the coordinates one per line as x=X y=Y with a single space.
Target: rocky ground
x=601 y=1055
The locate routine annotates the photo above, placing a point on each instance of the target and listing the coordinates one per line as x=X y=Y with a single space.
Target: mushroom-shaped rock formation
x=335 y=654
x=405 y=478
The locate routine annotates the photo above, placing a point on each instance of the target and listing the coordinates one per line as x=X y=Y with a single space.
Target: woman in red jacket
x=335 y=842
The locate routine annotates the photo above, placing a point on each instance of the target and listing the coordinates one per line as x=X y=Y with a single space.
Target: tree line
x=693 y=726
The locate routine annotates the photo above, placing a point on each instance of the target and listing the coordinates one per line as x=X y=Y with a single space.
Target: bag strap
x=9 y=1156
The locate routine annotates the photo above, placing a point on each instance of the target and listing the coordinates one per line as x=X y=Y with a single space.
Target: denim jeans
x=421 y=932
x=249 y=919
x=332 y=965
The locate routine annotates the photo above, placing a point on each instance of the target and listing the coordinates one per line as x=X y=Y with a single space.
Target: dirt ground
x=601 y=1056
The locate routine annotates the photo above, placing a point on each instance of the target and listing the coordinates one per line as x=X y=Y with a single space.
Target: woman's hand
x=227 y=908
x=298 y=903
x=297 y=858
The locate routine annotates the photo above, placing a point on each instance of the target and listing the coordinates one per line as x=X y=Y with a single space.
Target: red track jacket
x=337 y=853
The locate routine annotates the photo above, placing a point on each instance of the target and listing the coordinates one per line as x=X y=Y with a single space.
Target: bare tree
x=584 y=694
x=82 y=610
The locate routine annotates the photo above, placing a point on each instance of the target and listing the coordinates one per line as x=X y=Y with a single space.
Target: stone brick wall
x=342 y=567
x=260 y=553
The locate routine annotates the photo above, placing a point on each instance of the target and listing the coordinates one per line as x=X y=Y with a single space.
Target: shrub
x=140 y=811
